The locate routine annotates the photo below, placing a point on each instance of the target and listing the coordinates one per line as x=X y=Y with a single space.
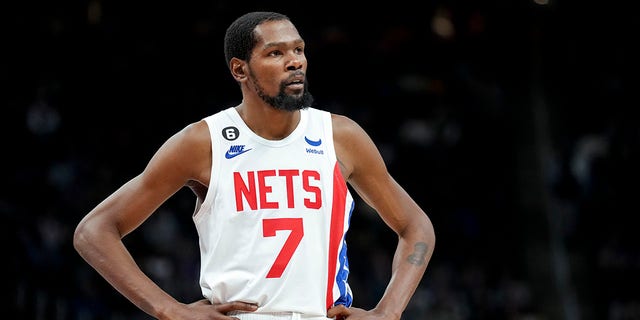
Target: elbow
x=419 y=230
x=424 y=232
x=427 y=242
x=87 y=234
x=80 y=237
x=93 y=234
x=428 y=232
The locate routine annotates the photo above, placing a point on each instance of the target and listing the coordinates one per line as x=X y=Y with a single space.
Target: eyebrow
x=281 y=43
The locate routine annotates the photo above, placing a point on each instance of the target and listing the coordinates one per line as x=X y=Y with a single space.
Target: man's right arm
x=98 y=236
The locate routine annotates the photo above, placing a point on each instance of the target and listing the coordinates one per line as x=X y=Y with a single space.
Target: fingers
x=338 y=312
x=236 y=306
x=202 y=302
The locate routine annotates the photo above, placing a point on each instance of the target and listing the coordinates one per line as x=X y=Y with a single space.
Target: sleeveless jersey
x=273 y=223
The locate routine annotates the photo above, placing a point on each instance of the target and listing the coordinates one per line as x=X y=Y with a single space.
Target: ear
x=237 y=68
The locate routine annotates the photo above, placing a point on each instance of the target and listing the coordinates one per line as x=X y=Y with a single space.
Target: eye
x=275 y=53
x=299 y=50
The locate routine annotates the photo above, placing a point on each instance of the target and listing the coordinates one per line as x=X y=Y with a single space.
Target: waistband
x=273 y=316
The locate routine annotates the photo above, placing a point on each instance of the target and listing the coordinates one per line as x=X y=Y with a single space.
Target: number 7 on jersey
x=269 y=228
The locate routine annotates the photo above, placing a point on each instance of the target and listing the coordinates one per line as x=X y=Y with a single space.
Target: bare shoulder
x=345 y=129
x=197 y=139
x=355 y=150
x=189 y=143
x=195 y=133
x=185 y=156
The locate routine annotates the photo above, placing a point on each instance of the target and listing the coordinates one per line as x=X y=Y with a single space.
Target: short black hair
x=240 y=39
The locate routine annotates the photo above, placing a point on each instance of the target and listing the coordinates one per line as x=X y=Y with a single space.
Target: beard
x=284 y=101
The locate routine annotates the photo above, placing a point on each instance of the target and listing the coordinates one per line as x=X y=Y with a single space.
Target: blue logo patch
x=235 y=150
x=313 y=143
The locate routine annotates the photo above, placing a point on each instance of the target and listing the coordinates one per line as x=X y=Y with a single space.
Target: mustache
x=296 y=75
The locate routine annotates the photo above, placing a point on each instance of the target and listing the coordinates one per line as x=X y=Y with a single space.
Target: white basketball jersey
x=272 y=227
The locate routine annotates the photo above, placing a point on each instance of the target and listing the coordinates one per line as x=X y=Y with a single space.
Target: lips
x=295 y=82
x=296 y=85
x=295 y=79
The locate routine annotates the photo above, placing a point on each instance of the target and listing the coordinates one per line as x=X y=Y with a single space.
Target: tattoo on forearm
x=419 y=254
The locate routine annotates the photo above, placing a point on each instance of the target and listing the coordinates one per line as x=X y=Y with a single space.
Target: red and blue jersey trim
x=337 y=244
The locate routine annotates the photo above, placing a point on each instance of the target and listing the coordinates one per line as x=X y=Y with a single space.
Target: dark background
x=512 y=123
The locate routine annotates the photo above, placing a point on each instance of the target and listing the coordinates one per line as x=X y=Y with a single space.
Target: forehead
x=273 y=32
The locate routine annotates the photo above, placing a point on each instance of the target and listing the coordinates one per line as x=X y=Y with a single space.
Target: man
x=273 y=207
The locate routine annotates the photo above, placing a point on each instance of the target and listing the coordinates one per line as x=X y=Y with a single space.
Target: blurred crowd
x=512 y=123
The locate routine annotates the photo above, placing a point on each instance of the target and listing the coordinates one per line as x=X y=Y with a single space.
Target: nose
x=296 y=61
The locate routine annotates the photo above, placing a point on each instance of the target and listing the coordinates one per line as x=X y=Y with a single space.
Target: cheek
x=267 y=77
x=269 y=83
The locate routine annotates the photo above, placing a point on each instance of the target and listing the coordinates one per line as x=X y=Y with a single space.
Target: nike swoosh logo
x=230 y=155
x=313 y=143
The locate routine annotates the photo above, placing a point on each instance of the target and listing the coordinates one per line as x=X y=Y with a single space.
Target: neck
x=268 y=122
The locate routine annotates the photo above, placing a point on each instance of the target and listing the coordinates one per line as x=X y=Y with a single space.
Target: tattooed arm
x=365 y=170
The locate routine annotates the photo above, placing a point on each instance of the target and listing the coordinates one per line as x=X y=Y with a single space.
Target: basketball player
x=270 y=177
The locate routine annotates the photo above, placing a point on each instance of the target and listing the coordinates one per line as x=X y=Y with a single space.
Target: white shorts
x=273 y=316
